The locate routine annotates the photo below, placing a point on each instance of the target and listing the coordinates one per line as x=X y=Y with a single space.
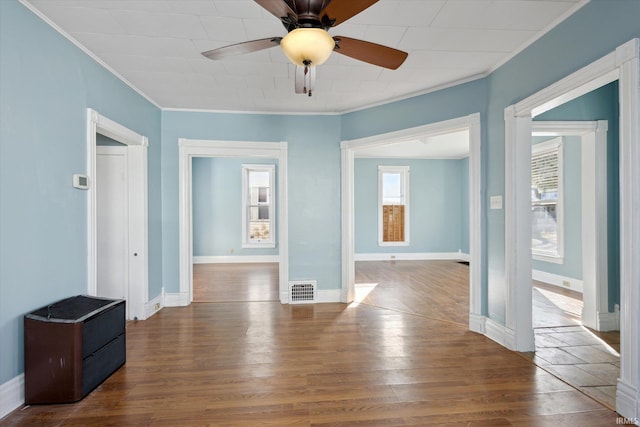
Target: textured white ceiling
x=155 y=45
x=454 y=145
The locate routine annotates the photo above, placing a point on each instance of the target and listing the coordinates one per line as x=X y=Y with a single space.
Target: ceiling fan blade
x=278 y=8
x=372 y=53
x=242 y=48
x=339 y=11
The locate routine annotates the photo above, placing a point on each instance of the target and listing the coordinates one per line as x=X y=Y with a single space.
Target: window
x=393 y=201
x=546 y=201
x=258 y=224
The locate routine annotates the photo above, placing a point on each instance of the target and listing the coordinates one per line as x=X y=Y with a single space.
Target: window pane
x=392 y=189
x=257 y=213
x=263 y=195
x=258 y=179
x=544 y=228
x=259 y=230
x=545 y=185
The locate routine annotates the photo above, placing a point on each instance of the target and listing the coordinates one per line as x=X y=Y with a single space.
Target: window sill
x=269 y=245
x=393 y=243
x=548 y=258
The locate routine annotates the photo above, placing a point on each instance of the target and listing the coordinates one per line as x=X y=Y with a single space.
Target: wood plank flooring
x=235 y=282
x=435 y=289
x=586 y=359
x=263 y=363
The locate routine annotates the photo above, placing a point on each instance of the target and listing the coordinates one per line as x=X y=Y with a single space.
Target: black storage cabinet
x=72 y=346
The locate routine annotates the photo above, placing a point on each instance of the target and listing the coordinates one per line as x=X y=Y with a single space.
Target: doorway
x=191 y=149
x=134 y=264
x=622 y=65
x=349 y=153
x=234 y=213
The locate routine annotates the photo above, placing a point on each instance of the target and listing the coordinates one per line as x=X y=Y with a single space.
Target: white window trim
x=404 y=170
x=270 y=243
x=536 y=254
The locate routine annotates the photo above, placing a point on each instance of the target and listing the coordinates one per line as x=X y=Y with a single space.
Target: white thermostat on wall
x=80 y=181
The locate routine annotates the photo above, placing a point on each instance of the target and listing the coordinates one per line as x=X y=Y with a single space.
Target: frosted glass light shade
x=307 y=44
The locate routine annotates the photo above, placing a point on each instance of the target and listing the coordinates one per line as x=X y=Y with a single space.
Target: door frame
x=595 y=279
x=137 y=207
x=622 y=65
x=190 y=148
x=349 y=148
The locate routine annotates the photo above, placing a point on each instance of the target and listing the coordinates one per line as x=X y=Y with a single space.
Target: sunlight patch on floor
x=362 y=290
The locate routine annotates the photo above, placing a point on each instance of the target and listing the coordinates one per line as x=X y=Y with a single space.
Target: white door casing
x=137 y=214
x=622 y=65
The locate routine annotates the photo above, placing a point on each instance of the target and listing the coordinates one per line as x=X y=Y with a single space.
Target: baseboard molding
x=411 y=256
x=329 y=295
x=11 y=395
x=626 y=403
x=178 y=299
x=477 y=323
x=608 y=321
x=237 y=259
x=153 y=306
x=557 y=280
x=500 y=334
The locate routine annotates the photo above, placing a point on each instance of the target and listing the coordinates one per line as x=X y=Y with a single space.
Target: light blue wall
x=217 y=207
x=46 y=85
x=313 y=184
x=572 y=189
x=437 y=216
x=602 y=104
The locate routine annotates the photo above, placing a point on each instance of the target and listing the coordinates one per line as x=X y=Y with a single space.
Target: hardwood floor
x=263 y=363
x=586 y=359
x=235 y=282
x=434 y=289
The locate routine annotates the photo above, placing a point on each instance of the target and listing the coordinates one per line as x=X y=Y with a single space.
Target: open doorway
x=234 y=151
x=572 y=163
x=373 y=146
x=235 y=247
x=621 y=66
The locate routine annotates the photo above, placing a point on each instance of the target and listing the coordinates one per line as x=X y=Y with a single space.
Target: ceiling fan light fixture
x=308 y=46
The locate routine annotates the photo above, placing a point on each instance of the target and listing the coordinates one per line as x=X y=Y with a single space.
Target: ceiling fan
x=308 y=43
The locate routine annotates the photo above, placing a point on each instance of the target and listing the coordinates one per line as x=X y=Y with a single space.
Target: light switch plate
x=496 y=202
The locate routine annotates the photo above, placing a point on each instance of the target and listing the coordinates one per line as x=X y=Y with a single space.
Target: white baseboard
x=329 y=295
x=178 y=299
x=153 y=306
x=626 y=401
x=477 y=323
x=237 y=259
x=500 y=334
x=411 y=256
x=11 y=395
x=557 y=280
x=608 y=321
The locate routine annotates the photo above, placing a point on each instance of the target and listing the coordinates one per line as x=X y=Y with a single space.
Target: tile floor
x=583 y=358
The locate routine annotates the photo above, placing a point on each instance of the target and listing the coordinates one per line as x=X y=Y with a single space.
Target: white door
x=112 y=222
